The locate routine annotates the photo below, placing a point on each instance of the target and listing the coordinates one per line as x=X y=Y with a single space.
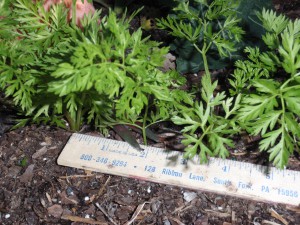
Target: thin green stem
x=205 y=132
x=125 y=123
x=203 y=52
x=197 y=48
x=75 y=123
x=74 y=12
x=79 y=113
x=282 y=104
x=70 y=121
x=206 y=68
x=159 y=121
x=285 y=83
x=145 y=126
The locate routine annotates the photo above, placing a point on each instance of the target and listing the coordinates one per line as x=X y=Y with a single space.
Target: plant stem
x=282 y=104
x=204 y=134
x=206 y=68
x=128 y=124
x=75 y=124
x=70 y=121
x=74 y=11
x=203 y=54
x=79 y=113
x=145 y=126
x=159 y=121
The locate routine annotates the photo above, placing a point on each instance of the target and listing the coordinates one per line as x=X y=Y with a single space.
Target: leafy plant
x=210 y=27
x=270 y=85
x=100 y=73
x=206 y=132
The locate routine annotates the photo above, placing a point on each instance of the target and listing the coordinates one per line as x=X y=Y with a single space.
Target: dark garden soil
x=35 y=190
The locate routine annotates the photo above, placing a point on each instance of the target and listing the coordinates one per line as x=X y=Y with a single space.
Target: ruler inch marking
x=222 y=176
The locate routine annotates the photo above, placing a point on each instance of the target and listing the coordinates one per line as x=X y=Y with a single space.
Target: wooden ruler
x=226 y=177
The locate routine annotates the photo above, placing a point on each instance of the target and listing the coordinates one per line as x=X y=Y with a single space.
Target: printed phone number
x=103 y=160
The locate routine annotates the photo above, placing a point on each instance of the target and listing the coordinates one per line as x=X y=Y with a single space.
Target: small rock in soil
x=27 y=175
x=189 y=196
x=55 y=210
x=39 y=152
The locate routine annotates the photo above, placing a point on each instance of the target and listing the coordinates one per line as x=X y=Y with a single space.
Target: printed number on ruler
x=102 y=160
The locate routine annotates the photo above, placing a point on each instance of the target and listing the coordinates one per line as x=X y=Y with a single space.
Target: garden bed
x=35 y=190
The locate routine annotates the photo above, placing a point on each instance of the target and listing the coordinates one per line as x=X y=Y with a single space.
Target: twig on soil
x=233 y=217
x=179 y=209
x=176 y=220
x=269 y=222
x=104 y=186
x=105 y=213
x=238 y=153
x=182 y=208
x=208 y=199
x=48 y=197
x=136 y=213
x=217 y=214
x=263 y=222
x=277 y=216
x=77 y=176
x=82 y=220
x=293 y=208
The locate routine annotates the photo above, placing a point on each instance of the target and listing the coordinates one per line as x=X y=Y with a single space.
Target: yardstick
x=227 y=177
